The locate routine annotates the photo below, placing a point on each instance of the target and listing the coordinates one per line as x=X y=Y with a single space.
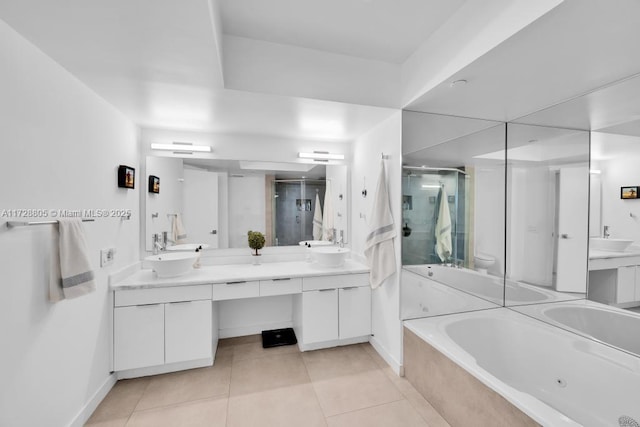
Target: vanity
x=614 y=277
x=170 y=324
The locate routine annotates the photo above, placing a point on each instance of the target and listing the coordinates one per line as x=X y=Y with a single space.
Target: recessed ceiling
x=383 y=30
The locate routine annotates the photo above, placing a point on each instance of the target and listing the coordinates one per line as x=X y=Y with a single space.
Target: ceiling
x=162 y=62
x=388 y=31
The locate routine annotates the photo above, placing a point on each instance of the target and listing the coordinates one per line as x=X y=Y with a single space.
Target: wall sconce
x=321 y=156
x=182 y=147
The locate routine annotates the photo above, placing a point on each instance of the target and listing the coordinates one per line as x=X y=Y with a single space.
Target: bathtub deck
x=457 y=395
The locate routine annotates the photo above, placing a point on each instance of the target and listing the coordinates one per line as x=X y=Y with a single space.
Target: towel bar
x=11 y=224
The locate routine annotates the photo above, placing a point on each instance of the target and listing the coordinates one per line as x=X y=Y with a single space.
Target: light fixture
x=182 y=147
x=320 y=156
x=595 y=171
x=430 y=186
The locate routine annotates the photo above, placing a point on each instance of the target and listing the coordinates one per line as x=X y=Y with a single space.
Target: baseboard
x=253 y=329
x=94 y=401
x=163 y=369
x=391 y=361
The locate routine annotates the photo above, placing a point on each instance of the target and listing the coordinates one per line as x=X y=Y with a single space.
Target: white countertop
x=599 y=254
x=146 y=278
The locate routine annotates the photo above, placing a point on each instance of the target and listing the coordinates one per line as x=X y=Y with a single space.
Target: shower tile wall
x=293 y=222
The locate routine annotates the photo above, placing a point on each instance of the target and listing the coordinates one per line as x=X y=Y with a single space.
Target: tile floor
x=251 y=386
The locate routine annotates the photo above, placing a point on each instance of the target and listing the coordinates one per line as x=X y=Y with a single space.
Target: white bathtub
x=610 y=325
x=489 y=287
x=555 y=377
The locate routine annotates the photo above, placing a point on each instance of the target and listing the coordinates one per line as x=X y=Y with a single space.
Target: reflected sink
x=612 y=245
x=330 y=256
x=313 y=243
x=172 y=264
x=188 y=247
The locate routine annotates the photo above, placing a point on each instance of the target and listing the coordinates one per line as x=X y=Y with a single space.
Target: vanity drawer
x=281 y=286
x=162 y=295
x=360 y=279
x=322 y=282
x=236 y=290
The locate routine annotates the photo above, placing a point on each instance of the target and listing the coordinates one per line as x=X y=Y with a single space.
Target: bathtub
x=489 y=287
x=610 y=325
x=555 y=377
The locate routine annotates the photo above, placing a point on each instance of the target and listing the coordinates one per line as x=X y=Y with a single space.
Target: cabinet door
x=138 y=336
x=320 y=316
x=626 y=284
x=355 y=312
x=188 y=331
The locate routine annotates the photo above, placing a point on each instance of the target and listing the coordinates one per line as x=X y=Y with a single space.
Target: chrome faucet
x=342 y=238
x=156 y=243
x=606 y=233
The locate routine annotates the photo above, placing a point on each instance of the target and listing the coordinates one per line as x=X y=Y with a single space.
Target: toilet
x=483 y=262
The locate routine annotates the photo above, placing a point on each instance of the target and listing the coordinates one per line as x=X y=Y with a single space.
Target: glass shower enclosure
x=424 y=190
x=293 y=207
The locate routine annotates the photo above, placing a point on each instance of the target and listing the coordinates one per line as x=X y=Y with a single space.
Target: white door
x=573 y=230
x=355 y=312
x=200 y=206
x=320 y=316
x=138 y=333
x=188 y=331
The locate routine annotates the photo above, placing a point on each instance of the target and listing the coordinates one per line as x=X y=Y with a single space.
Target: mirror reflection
x=611 y=313
x=547 y=213
x=453 y=214
x=217 y=202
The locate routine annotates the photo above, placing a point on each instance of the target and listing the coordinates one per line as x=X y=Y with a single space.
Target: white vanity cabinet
x=332 y=310
x=615 y=286
x=154 y=327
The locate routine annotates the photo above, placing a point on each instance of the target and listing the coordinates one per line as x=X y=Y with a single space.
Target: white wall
x=338 y=175
x=387 y=138
x=489 y=214
x=246 y=201
x=168 y=201
x=621 y=171
x=61 y=145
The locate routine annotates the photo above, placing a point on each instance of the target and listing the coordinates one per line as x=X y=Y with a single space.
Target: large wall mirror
x=610 y=312
x=453 y=214
x=220 y=200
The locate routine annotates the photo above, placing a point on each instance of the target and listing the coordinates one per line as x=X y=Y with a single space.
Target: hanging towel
x=178 y=234
x=71 y=272
x=327 y=216
x=443 y=228
x=317 y=220
x=379 y=249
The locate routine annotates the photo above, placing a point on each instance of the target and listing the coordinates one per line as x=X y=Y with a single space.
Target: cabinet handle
x=281 y=278
x=236 y=283
x=325 y=290
x=181 y=302
x=146 y=305
x=349 y=288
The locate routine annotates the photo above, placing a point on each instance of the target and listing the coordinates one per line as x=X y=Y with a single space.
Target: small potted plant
x=256 y=241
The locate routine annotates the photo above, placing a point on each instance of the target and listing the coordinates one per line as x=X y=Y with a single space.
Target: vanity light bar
x=181 y=146
x=321 y=155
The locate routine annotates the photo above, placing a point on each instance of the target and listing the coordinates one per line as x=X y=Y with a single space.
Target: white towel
x=379 y=248
x=443 y=228
x=327 y=216
x=178 y=234
x=317 y=220
x=71 y=272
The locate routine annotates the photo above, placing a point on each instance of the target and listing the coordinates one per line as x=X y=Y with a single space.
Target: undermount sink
x=188 y=247
x=330 y=256
x=172 y=264
x=313 y=243
x=612 y=245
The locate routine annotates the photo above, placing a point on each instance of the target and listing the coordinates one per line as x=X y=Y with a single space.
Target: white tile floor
x=251 y=386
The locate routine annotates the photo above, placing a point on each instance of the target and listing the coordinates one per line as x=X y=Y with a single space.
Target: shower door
x=295 y=204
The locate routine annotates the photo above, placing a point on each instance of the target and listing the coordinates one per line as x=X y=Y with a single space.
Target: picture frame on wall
x=154 y=184
x=126 y=177
x=630 y=192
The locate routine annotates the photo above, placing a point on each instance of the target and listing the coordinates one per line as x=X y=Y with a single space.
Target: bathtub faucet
x=606 y=233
